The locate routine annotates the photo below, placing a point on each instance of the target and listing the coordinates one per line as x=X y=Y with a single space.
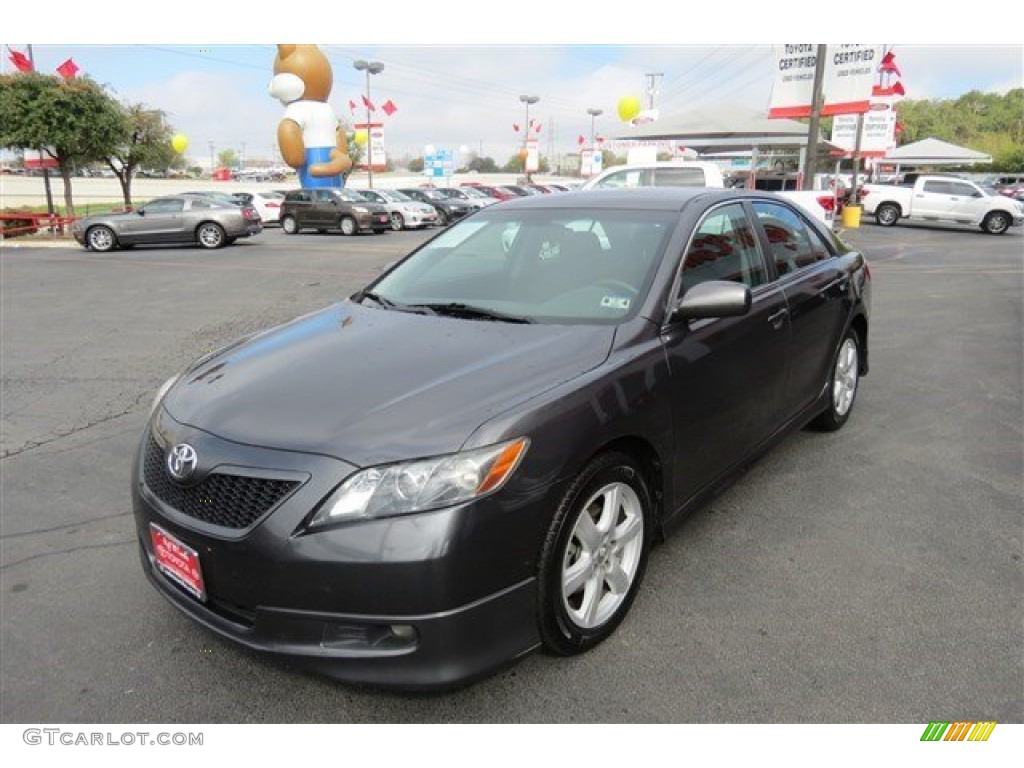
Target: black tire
x=844 y=381
x=997 y=222
x=583 y=596
x=211 y=235
x=887 y=214
x=397 y=222
x=289 y=225
x=442 y=218
x=348 y=225
x=101 y=238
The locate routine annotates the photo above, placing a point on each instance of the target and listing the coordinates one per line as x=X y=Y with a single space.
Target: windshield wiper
x=456 y=309
x=387 y=303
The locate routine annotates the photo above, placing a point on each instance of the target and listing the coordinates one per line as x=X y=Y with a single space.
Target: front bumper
x=431 y=600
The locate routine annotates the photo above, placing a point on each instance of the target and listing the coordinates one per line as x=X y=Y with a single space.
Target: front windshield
x=471 y=192
x=553 y=265
x=394 y=196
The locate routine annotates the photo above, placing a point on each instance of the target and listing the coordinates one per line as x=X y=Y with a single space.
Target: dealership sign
x=878 y=132
x=850 y=73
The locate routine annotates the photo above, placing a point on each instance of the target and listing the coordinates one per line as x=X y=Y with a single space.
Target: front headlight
x=425 y=484
x=360 y=209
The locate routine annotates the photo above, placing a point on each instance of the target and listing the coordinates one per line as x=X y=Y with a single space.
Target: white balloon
x=463 y=150
x=429 y=150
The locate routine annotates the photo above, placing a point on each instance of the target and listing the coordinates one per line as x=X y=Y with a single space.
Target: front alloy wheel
x=397 y=222
x=594 y=555
x=289 y=225
x=101 y=239
x=348 y=226
x=996 y=223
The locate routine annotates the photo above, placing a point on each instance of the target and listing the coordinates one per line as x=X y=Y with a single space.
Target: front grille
x=232 y=501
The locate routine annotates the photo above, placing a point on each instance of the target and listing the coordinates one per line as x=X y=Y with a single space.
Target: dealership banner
x=850 y=73
x=375 y=134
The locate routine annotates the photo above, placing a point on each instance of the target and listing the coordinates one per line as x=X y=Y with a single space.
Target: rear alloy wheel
x=101 y=239
x=210 y=235
x=397 y=222
x=594 y=555
x=347 y=225
x=442 y=218
x=996 y=223
x=887 y=214
x=843 y=386
x=289 y=225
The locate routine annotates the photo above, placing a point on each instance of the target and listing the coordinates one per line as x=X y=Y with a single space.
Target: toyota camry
x=471 y=457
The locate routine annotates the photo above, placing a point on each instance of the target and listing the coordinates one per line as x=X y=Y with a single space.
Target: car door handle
x=839 y=282
x=776 y=318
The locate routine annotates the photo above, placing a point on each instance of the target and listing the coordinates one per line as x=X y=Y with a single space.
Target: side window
x=679 y=177
x=793 y=244
x=165 y=206
x=724 y=248
x=195 y=205
x=321 y=196
x=961 y=190
x=937 y=187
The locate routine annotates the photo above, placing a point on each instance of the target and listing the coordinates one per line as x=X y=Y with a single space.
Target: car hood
x=370 y=386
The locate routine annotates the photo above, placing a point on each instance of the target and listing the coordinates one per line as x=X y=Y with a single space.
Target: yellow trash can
x=851 y=216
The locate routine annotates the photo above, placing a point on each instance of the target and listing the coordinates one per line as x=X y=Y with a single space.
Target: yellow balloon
x=629 y=107
x=361 y=137
x=179 y=142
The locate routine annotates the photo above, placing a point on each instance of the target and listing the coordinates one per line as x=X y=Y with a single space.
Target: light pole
x=593 y=116
x=211 y=161
x=371 y=68
x=527 y=100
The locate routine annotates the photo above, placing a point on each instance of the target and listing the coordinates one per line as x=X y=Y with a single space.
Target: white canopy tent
x=934 y=152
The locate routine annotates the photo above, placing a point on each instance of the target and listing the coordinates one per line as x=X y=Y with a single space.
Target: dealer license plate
x=177 y=562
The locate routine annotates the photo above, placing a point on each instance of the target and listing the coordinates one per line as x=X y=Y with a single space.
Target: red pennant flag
x=20 y=61
x=537 y=127
x=369 y=104
x=898 y=89
x=898 y=129
x=68 y=70
x=580 y=140
x=515 y=127
x=889 y=64
x=389 y=108
x=351 y=106
x=600 y=139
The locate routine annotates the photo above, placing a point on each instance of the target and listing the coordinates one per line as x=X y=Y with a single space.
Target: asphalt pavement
x=872 y=575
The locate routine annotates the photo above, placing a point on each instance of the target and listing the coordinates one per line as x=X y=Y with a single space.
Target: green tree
x=416 y=165
x=482 y=165
x=147 y=145
x=73 y=121
x=227 y=158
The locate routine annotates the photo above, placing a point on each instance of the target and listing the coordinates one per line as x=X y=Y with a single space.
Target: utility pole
x=652 y=89
x=817 y=100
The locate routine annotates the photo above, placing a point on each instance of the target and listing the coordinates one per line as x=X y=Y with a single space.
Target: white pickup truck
x=674 y=173
x=941 y=198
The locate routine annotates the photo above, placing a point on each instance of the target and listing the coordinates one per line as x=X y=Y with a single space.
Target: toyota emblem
x=181 y=461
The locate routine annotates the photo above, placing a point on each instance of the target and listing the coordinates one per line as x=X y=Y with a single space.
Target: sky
x=456 y=74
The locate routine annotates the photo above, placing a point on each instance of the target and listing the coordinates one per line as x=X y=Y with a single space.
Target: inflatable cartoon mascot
x=311 y=137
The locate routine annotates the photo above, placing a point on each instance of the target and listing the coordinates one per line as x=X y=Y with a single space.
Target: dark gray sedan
x=191 y=218
x=473 y=456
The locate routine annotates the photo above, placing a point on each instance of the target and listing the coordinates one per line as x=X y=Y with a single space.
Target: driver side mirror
x=141 y=211
x=714 y=298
